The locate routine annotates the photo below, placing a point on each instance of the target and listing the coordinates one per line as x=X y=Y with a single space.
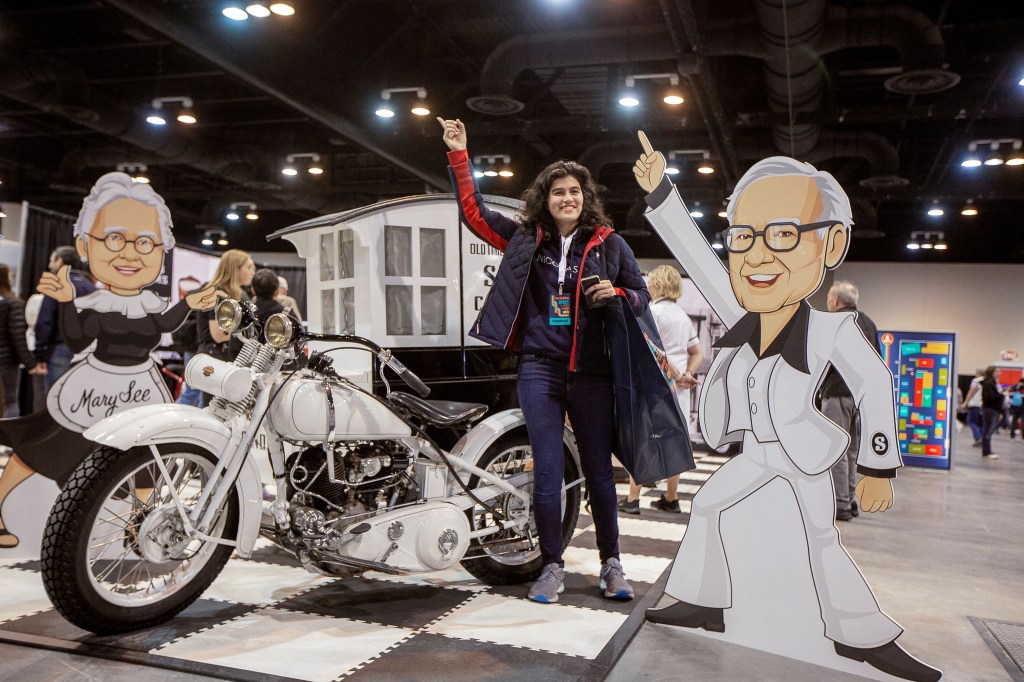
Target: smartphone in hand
x=586 y=283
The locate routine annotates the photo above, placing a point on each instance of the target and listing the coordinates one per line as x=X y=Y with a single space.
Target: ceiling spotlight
x=913 y=246
x=927 y=241
x=236 y=13
x=705 y=169
x=282 y=9
x=969 y=208
x=137 y=171
x=506 y=173
x=1015 y=161
x=210 y=237
x=994 y=160
x=696 y=214
x=478 y=174
x=673 y=98
x=927 y=245
x=491 y=173
x=972 y=162
x=2 y=214
x=258 y=11
x=672 y=170
x=236 y=208
x=312 y=166
x=420 y=108
x=628 y=99
x=185 y=115
x=941 y=246
x=935 y=210
x=723 y=214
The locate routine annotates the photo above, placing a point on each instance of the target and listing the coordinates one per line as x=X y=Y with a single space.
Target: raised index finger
x=645 y=143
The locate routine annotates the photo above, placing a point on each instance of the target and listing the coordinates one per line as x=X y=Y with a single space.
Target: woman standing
x=991 y=408
x=560 y=237
x=13 y=343
x=233 y=276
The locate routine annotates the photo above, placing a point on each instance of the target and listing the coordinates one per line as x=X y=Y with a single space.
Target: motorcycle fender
x=474 y=444
x=173 y=423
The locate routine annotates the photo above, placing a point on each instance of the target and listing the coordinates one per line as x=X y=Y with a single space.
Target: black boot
x=891 y=658
x=686 y=615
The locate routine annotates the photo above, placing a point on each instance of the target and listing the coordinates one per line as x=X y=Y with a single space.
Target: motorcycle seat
x=438 y=412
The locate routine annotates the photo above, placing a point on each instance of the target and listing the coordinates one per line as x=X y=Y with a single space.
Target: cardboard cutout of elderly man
x=123 y=231
x=789 y=223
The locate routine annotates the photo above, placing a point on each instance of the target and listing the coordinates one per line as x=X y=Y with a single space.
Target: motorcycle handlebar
x=413 y=381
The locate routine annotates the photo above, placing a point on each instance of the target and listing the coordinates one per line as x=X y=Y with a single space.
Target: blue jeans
x=58 y=364
x=990 y=422
x=10 y=376
x=189 y=395
x=974 y=421
x=546 y=391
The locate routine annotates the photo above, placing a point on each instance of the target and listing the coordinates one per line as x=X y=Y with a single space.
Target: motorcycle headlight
x=229 y=315
x=279 y=330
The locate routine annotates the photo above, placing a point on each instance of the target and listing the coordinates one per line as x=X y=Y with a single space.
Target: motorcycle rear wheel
x=507 y=557
x=115 y=557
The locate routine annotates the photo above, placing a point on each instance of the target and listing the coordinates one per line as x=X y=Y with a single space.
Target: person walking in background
x=991 y=409
x=684 y=359
x=838 y=405
x=53 y=357
x=13 y=343
x=1016 y=409
x=36 y=399
x=291 y=306
x=972 y=403
x=559 y=238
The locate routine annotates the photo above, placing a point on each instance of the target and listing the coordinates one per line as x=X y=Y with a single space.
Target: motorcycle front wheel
x=511 y=556
x=115 y=555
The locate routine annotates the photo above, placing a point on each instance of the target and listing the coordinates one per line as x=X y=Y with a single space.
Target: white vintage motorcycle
x=148 y=521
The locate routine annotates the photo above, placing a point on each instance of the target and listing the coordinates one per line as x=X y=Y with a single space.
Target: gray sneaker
x=549 y=585
x=613 y=581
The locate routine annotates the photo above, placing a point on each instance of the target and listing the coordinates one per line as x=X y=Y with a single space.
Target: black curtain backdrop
x=45 y=230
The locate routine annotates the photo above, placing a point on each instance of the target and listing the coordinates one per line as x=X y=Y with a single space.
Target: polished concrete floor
x=950 y=550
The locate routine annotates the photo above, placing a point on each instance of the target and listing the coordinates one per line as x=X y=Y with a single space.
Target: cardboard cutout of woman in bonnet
x=123 y=231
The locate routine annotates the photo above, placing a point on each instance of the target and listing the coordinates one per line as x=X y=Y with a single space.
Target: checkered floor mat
x=267 y=618
x=1006 y=641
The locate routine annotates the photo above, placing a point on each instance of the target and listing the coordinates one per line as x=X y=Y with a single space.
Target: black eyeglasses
x=116 y=242
x=778 y=237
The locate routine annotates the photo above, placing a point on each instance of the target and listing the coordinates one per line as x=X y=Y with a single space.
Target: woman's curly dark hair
x=535 y=198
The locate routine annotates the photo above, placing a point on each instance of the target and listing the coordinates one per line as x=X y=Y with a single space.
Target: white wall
x=980 y=301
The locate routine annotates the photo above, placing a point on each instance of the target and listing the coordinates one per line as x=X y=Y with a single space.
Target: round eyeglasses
x=778 y=237
x=115 y=242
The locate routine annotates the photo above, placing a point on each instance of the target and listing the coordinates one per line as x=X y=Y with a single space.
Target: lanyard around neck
x=564 y=261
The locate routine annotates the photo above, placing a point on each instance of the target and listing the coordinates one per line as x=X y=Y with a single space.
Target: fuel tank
x=301 y=411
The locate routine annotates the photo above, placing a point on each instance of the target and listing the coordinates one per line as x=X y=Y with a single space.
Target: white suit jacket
x=812 y=441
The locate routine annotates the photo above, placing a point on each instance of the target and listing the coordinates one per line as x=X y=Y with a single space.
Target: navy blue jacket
x=606 y=254
x=48 y=334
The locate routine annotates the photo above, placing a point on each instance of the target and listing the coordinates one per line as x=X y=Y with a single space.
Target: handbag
x=652 y=440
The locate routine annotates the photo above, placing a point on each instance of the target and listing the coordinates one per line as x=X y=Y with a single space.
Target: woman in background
x=233 y=276
x=13 y=343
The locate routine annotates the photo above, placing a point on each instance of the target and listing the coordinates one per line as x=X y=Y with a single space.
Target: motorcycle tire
x=114 y=557
x=518 y=559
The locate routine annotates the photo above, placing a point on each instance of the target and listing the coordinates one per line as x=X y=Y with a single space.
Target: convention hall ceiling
x=890 y=97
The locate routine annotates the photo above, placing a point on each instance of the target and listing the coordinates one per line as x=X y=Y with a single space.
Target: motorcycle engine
x=367 y=476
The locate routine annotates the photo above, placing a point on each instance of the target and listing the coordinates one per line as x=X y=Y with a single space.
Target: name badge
x=561 y=311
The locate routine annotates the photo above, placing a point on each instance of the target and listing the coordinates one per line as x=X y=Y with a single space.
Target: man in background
x=290 y=305
x=53 y=357
x=837 y=404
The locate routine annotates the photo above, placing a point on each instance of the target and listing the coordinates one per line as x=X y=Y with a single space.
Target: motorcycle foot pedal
x=360 y=528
